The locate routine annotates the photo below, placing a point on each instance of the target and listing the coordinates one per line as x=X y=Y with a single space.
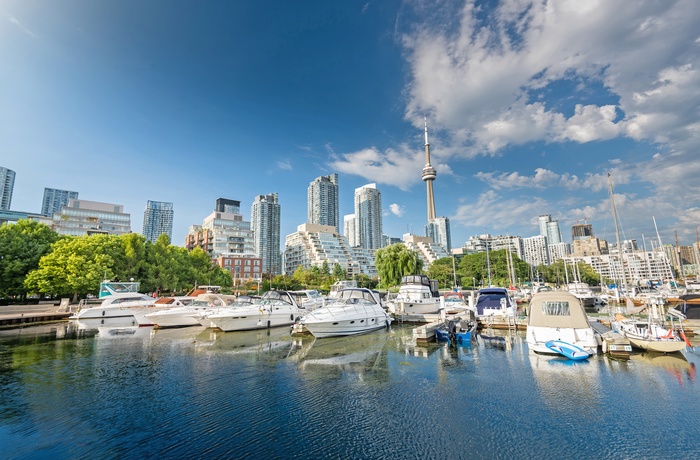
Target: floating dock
x=611 y=342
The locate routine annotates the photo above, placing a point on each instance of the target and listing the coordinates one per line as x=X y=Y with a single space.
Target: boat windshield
x=558 y=308
x=355 y=296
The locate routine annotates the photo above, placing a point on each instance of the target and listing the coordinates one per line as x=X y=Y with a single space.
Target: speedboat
x=559 y=316
x=308 y=299
x=275 y=308
x=116 y=305
x=494 y=302
x=185 y=315
x=417 y=295
x=355 y=311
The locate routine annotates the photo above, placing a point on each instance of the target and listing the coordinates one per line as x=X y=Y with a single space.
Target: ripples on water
x=193 y=393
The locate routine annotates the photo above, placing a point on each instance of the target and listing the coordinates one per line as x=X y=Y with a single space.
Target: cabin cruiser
x=185 y=315
x=559 y=315
x=583 y=293
x=275 y=308
x=418 y=295
x=309 y=299
x=354 y=311
x=118 y=305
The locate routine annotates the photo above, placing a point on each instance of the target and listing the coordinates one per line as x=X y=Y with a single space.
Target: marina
x=136 y=392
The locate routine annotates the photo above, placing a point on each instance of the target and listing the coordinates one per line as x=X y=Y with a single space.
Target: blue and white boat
x=559 y=316
x=494 y=302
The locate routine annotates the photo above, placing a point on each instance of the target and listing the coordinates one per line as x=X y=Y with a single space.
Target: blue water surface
x=69 y=392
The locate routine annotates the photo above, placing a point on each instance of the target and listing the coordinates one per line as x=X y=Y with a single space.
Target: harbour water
x=123 y=392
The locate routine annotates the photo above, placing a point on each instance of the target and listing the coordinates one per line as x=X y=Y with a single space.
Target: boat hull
x=660 y=346
x=341 y=328
x=247 y=321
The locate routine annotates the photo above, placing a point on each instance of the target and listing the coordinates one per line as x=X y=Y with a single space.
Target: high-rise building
x=265 y=223
x=222 y=232
x=439 y=230
x=55 y=199
x=227 y=206
x=323 y=207
x=368 y=217
x=158 y=219
x=581 y=231
x=550 y=228
x=349 y=230
x=7 y=184
x=535 y=250
x=82 y=217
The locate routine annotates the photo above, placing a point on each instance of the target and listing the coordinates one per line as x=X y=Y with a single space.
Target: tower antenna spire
x=429 y=174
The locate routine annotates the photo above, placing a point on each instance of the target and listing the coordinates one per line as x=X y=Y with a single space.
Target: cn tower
x=429 y=175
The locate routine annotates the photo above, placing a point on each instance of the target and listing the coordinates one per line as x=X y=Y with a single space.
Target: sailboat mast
x=617 y=234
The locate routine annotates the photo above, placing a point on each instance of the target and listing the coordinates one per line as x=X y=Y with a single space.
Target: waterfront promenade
x=22 y=315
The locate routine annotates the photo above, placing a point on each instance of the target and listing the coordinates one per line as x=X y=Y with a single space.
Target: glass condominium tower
x=323 y=201
x=158 y=219
x=368 y=217
x=265 y=223
x=7 y=184
x=55 y=199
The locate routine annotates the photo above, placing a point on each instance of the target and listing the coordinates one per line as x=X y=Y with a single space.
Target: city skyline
x=530 y=105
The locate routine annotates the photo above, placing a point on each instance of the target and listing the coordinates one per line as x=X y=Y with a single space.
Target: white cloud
x=397 y=209
x=399 y=167
x=493 y=212
x=545 y=179
x=16 y=22
x=475 y=79
x=285 y=165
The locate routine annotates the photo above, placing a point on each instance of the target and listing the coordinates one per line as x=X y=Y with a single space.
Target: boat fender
x=103 y=312
x=685 y=338
x=387 y=323
x=268 y=324
x=291 y=317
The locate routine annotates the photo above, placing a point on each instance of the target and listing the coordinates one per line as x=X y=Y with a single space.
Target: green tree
x=395 y=261
x=442 y=271
x=338 y=272
x=75 y=265
x=22 y=245
x=325 y=269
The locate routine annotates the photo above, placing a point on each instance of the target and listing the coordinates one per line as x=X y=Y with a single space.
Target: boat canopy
x=416 y=279
x=557 y=309
x=490 y=298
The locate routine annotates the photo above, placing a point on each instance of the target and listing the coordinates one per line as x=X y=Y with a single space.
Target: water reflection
x=125 y=392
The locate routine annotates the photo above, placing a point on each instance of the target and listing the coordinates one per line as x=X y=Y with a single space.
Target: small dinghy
x=566 y=349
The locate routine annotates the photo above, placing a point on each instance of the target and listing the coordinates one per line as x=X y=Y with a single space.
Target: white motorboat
x=275 y=308
x=308 y=299
x=186 y=315
x=559 y=315
x=116 y=305
x=583 y=293
x=417 y=295
x=355 y=311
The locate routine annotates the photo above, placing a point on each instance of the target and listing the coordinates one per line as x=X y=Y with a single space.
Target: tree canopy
x=76 y=266
x=395 y=261
x=21 y=247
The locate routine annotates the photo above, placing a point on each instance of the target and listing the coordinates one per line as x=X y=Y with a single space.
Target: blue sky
x=529 y=105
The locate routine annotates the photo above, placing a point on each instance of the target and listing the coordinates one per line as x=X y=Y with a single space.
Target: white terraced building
x=427 y=250
x=639 y=266
x=313 y=244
